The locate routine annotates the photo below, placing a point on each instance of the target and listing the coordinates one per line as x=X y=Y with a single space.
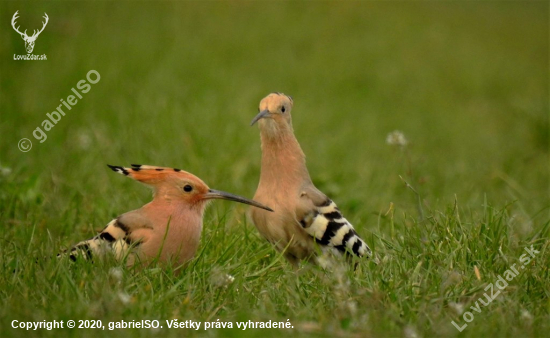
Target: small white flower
x=457 y=307
x=396 y=138
x=324 y=261
x=124 y=297
x=116 y=274
x=410 y=332
x=84 y=140
x=352 y=307
x=5 y=171
x=220 y=279
x=526 y=317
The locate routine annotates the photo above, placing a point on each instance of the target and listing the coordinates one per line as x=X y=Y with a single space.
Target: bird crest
x=153 y=175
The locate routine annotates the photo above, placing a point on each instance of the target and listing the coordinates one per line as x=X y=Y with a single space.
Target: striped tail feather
x=329 y=228
x=111 y=240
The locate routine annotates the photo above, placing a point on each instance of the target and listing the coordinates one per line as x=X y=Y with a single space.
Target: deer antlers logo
x=29 y=40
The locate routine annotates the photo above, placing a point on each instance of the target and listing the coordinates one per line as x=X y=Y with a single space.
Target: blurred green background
x=466 y=83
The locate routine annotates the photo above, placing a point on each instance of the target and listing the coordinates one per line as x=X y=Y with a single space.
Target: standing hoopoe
x=303 y=215
x=167 y=229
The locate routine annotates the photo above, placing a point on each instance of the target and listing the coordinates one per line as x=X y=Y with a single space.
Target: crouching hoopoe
x=167 y=229
x=304 y=217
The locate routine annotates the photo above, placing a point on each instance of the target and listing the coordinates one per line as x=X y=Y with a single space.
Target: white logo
x=29 y=40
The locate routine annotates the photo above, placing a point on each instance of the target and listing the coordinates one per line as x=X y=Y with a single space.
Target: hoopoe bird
x=167 y=229
x=304 y=217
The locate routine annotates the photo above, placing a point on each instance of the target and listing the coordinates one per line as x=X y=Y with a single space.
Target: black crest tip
x=118 y=169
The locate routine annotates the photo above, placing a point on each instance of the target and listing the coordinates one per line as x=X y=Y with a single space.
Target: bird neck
x=282 y=159
x=178 y=227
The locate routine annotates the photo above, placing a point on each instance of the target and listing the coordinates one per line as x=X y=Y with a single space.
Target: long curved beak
x=262 y=114
x=217 y=194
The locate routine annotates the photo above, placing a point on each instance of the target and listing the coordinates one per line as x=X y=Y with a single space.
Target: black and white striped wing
x=114 y=239
x=328 y=227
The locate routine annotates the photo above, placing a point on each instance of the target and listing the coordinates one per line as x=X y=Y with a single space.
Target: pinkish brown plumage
x=304 y=217
x=167 y=229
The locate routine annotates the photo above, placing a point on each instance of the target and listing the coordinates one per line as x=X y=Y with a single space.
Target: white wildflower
x=396 y=138
x=526 y=317
x=325 y=261
x=410 y=332
x=84 y=140
x=116 y=274
x=124 y=297
x=5 y=171
x=457 y=307
x=352 y=307
x=220 y=279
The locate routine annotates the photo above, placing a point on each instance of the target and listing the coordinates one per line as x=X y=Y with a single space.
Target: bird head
x=274 y=112
x=178 y=185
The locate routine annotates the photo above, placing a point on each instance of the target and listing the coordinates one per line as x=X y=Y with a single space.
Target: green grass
x=467 y=83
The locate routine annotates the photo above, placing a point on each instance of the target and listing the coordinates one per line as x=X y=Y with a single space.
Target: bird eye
x=283 y=109
x=188 y=188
